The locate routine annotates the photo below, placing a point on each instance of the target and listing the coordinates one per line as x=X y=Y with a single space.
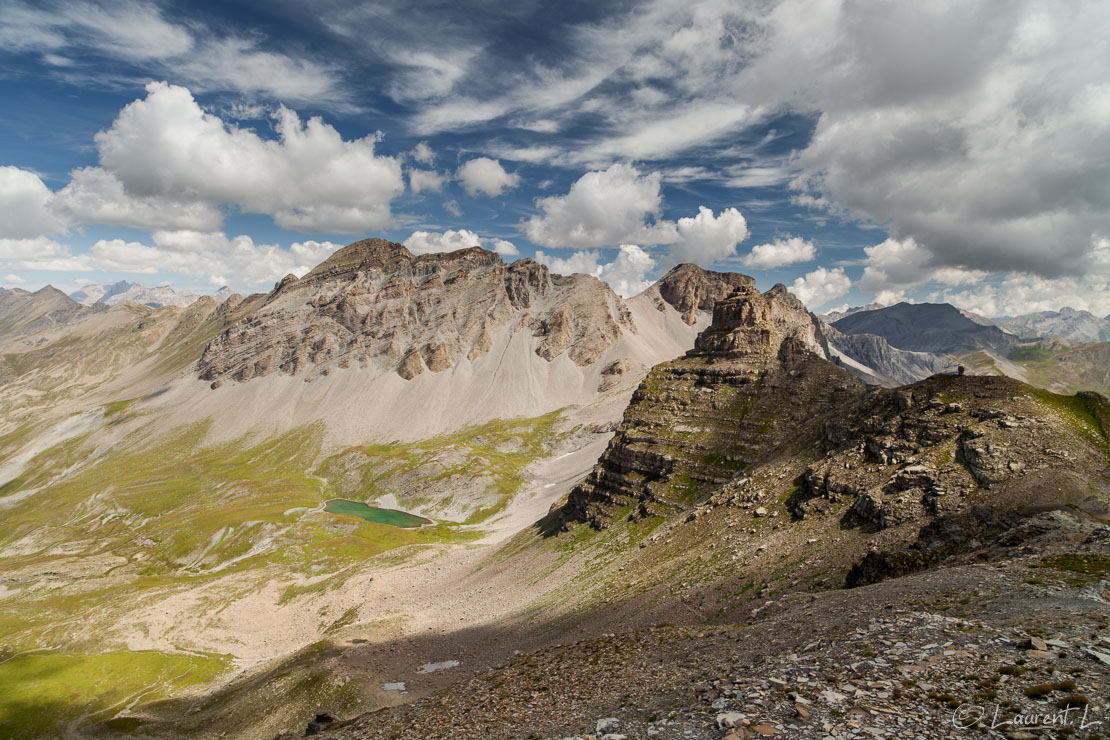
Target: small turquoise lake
x=392 y=517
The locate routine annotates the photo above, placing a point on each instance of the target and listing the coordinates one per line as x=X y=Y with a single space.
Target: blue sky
x=853 y=151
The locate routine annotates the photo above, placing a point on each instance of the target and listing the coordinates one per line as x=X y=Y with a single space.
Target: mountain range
x=1067 y=323
x=445 y=495
x=125 y=292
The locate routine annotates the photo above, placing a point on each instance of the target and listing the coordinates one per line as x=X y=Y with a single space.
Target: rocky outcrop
x=374 y=303
x=691 y=289
x=704 y=430
x=754 y=382
x=869 y=356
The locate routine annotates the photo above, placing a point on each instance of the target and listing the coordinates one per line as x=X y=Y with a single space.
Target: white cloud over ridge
x=621 y=205
x=817 y=288
x=780 y=253
x=1019 y=293
x=705 y=238
x=211 y=256
x=432 y=242
x=893 y=267
x=626 y=275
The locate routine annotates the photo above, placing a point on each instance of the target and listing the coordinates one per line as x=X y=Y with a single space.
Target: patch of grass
x=42 y=692
x=428 y=471
x=1083 y=412
x=115 y=408
x=1087 y=567
x=1031 y=353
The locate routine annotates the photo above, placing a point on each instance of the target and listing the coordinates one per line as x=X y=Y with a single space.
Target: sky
x=855 y=151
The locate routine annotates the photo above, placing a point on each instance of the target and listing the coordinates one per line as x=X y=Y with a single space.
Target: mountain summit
x=927 y=327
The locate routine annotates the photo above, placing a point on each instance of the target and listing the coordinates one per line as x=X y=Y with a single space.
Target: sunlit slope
x=145 y=543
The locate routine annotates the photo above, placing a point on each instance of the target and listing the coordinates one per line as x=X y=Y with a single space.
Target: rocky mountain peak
x=691 y=289
x=756 y=381
x=367 y=254
x=375 y=304
x=753 y=325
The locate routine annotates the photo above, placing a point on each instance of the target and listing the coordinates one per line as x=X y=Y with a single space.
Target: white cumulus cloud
x=780 y=253
x=620 y=205
x=821 y=286
x=503 y=247
x=896 y=265
x=421 y=181
x=1019 y=293
x=602 y=208
x=167 y=147
x=25 y=205
x=431 y=242
x=95 y=195
x=626 y=275
x=486 y=176
x=193 y=254
x=705 y=238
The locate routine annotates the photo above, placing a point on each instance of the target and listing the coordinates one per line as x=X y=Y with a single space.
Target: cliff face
x=755 y=417
x=756 y=384
x=374 y=303
x=691 y=289
x=875 y=357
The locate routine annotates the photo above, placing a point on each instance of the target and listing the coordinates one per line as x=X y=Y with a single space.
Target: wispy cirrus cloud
x=74 y=36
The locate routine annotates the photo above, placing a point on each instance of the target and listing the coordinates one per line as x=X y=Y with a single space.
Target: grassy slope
x=150 y=519
x=426 y=472
x=40 y=693
x=1054 y=366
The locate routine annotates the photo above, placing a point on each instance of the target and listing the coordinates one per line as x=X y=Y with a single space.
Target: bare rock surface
x=375 y=303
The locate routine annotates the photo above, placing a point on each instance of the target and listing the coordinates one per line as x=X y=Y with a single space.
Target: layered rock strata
x=756 y=382
x=375 y=303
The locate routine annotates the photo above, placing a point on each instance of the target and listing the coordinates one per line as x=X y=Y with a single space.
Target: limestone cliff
x=375 y=303
x=756 y=383
x=755 y=417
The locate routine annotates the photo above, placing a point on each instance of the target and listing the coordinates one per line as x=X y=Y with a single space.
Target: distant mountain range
x=927 y=327
x=125 y=292
x=24 y=312
x=1067 y=323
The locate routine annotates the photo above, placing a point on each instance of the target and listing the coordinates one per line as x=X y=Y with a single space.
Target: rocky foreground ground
x=1016 y=648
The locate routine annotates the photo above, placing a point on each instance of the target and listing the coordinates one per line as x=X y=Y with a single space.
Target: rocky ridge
x=23 y=312
x=927 y=327
x=873 y=360
x=696 y=423
x=375 y=303
x=745 y=480
x=1067 y=323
